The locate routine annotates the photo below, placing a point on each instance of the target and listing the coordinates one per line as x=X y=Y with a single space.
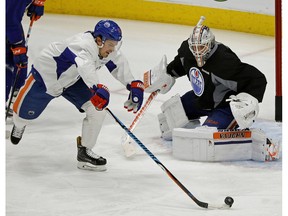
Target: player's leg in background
x=29 y=104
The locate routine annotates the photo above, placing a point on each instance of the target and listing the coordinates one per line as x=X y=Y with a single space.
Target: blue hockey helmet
x=108 y=29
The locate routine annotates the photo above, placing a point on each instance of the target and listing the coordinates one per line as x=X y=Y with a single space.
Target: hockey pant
x=221 y=118
x=32 y=100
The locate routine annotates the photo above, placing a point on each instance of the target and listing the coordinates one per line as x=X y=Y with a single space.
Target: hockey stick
x=128 y=147
x=18 y=69
x=228 y=200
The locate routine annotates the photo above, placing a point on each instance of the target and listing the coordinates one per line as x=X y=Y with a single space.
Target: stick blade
x=128 y=147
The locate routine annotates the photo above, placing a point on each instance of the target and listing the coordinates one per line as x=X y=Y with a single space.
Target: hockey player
x=224 y=89
x=16 y=51
x=70 y=69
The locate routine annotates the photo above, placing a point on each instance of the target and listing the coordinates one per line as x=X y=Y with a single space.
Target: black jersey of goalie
x=222 y=75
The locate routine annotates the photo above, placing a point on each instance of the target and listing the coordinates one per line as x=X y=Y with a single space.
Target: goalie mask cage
x=278 y=60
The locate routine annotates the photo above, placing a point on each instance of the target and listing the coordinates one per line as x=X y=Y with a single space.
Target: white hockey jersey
x=63 y=63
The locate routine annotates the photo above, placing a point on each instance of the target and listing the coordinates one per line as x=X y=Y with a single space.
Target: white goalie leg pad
x=166 y=133
x=158 y=79
x=172 y=116
x=263 y=148
x=91 y=125
x=174 y=112
x=208 y=144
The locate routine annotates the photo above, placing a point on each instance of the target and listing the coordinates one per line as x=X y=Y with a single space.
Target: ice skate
x=88 y=160
x=16 y=134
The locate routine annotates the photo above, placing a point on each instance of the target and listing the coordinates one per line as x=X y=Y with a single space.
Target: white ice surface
x=41 y=174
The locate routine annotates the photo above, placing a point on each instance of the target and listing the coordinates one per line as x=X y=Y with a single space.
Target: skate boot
x=16 y=134
x=88 y=160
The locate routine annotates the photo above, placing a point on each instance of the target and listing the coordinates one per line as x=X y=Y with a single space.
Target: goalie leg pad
x=166 y=133
x=174 y=112
x=263 y=148
x=208 y=144
x=173 y=116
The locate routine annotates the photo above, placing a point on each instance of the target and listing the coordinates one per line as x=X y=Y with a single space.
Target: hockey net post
x=278 y=60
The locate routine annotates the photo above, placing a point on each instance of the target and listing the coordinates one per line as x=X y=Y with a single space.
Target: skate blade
x=91 y=167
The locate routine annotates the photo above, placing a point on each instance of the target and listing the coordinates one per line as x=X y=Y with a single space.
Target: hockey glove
x=20 y=55
x=135 y=98
x=158 y=79
x=36 y=9
x=245 y=109
x=101 y=98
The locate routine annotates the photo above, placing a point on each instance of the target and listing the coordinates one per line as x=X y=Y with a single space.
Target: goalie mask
x=201 y=42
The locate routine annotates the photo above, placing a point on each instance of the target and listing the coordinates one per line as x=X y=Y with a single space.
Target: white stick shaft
x=202 y=18
x=128 y=148
x=143 y=110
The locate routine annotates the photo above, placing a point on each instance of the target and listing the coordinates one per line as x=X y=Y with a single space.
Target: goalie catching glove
x=158 y=79
x=101 y=97
x=135 y=98
x=245 y=109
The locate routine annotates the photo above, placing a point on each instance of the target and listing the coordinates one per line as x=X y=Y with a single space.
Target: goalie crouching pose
x=70 y=69
x=224 y=89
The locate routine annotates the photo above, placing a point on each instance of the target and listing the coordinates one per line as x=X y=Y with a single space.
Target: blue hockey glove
x=135 y=98
x=36 y=9
x=20 y=56
x=101 y=98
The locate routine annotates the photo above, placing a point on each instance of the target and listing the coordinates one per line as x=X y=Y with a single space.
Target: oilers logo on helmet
x=197 y=81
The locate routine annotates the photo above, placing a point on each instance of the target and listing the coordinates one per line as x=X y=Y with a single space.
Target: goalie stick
x=127 y=146
x=228 y=200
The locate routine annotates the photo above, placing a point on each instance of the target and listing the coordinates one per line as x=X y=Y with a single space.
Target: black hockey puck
x=229 y=201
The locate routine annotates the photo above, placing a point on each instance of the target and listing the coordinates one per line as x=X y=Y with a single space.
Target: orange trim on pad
x=232 y=134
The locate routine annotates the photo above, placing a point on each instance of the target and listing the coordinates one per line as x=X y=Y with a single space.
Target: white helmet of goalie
x=201 y=42
x=245 y=109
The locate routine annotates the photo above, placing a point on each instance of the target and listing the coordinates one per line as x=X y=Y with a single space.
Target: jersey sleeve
x=119 y=68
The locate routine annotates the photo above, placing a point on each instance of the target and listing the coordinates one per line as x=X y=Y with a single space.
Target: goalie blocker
x=208 y=144
x=158 y=79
